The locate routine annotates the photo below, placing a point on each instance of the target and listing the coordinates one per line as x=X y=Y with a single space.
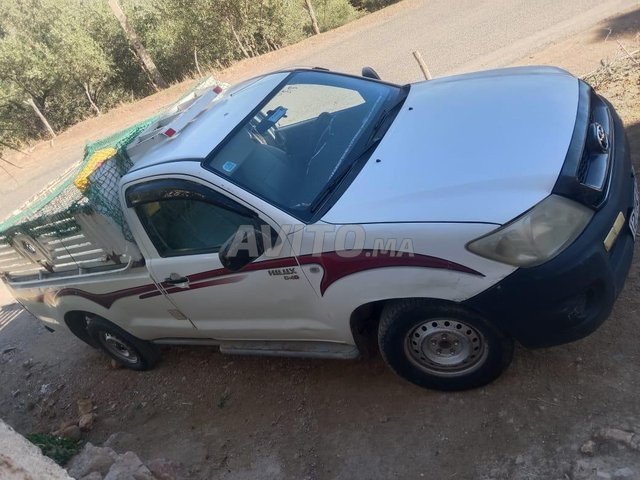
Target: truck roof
x=198 y=139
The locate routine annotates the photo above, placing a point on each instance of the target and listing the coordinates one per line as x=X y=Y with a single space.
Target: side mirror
x=369 y=72
x=242 y=248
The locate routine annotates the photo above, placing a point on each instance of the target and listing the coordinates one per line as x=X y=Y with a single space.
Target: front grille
x=583 y=168
x=587 y=167
x=595 y=162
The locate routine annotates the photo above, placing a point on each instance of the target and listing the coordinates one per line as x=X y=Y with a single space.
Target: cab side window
x=188 y=223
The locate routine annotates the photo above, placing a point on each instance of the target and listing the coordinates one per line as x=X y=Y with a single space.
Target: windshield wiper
x=339 y=176
x=386 y=114
x=372 y=142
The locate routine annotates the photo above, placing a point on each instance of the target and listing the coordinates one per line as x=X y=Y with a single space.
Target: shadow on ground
x=621 y=25
x=8 y=313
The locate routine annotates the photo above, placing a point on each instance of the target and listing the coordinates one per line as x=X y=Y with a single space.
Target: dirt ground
x=263 y=418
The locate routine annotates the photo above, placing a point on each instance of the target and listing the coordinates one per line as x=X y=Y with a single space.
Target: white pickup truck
x=312 y=213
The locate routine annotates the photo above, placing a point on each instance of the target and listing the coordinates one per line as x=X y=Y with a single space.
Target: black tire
x=124 y=348
x=441 y=346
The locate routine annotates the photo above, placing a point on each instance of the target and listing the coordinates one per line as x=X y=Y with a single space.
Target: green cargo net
x=89 y=187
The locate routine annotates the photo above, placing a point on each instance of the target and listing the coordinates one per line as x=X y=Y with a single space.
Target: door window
x=189 y=223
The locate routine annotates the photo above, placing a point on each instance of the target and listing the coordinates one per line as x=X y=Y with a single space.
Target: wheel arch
x=365 y=319
x=76 y=321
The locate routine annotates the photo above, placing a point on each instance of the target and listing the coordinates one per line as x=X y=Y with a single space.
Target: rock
x=91 y=459
x=85 y=422
x=8 y=349
x=128 y=467
x=85 y=406
x=27 y=364
x=119 y=440
x=519 y=460
x=628 y=439
x=603 y=475
x=72 y=432
x=68 y=423
x=588 y=448
x=624 y=473
x=115 y=365
x=583 y=470
x=163 y=469
x=92 y=476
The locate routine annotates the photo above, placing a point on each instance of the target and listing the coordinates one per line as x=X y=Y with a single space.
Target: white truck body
x=463 y=157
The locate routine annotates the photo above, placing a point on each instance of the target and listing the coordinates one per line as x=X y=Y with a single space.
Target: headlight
x=536 y=236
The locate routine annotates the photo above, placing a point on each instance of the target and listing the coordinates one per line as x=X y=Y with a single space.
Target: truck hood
x=482 y=147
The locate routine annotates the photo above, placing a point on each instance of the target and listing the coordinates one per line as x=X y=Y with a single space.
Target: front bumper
x=570 y=296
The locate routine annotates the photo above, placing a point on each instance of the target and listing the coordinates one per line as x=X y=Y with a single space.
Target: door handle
x=177 y=280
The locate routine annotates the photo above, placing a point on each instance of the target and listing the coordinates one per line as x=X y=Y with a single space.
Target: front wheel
x=124 y=348
x=443 y=347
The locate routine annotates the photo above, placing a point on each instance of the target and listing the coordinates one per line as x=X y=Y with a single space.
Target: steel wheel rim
x=119 y=348
x=446 y=347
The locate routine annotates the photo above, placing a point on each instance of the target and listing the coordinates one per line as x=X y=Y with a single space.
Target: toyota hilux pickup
x=318 y=214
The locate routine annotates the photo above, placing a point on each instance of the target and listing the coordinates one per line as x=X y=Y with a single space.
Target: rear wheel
x=443 y=347
x=124 y=348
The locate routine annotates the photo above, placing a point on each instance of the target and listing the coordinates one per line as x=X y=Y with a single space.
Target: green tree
x=47 y=55
x=333 y=13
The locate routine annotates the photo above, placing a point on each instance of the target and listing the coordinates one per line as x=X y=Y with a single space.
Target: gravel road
x=452 y=36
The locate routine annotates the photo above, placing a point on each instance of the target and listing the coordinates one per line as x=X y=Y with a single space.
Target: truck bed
x=75 y=225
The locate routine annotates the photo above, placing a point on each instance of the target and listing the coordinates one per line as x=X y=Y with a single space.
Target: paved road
x=453 y=35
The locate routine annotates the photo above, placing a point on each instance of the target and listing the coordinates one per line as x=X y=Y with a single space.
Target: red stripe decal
x=336 y=265
x=196 y=286
x=106 y=300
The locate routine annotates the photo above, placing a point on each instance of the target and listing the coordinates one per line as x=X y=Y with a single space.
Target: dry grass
x=626 y=61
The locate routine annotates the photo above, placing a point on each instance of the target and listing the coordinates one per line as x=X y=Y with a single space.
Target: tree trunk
x=141 y=53
x=195 y=57
x=312 y=14
x=91 y=102
x=42 y=118
x=235 y=34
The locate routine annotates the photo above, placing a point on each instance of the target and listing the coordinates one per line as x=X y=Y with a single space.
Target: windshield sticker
x=229 y=166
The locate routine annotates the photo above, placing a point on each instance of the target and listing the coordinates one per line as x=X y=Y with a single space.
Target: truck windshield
x=304 y=137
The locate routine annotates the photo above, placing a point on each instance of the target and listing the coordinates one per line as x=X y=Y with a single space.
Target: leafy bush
x=372 y=5
x=333 y=13
x=59 y=449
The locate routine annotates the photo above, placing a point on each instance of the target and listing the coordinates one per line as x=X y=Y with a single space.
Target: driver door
x=186 y=224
